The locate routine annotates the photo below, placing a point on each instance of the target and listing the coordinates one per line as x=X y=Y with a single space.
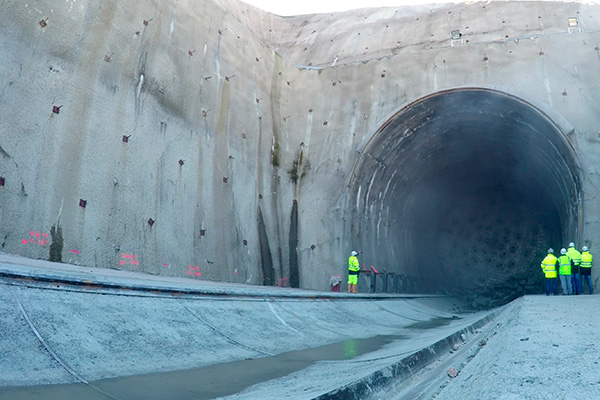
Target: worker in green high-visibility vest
x=585 y=269
x=564 y=271
x=353 y=271
x=575 y=257
x=549 y=268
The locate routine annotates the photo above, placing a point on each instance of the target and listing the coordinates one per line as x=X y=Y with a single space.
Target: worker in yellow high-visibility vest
x=585 y=269
x=575 y=257
x=549 y=268
x=564 y=271
x=353 y=271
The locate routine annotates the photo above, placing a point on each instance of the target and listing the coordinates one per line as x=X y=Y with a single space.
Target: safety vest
x=565 y=265
x=549 y=266
x=353 y=264
x=586 y=260
x=574 y=255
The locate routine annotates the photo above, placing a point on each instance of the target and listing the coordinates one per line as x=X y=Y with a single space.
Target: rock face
x=452 y=144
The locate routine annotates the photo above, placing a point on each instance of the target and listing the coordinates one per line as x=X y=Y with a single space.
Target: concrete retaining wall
x=153 y=133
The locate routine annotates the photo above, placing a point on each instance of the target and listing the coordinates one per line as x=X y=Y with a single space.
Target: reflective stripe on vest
x=549 y=266
x=586 y=260
x=574 y=255
x=565 y=265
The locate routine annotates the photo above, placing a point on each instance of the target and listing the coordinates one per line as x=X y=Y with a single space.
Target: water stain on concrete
x=201 y=383
x=432 y=323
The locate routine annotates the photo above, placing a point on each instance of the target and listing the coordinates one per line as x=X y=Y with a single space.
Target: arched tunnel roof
x=464 y=191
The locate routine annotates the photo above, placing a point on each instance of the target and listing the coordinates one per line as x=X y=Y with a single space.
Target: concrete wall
x=217 y=85
x=163 y=75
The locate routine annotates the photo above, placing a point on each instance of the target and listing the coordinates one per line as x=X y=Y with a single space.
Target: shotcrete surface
x=71 y=331
x=212 y=134
x=64 y=324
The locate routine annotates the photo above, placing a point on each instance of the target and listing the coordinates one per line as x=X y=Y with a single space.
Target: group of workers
x=573 y=268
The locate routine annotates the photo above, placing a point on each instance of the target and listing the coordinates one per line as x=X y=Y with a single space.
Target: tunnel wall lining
x=369 y=207
x=223 y=107
x=558 y=120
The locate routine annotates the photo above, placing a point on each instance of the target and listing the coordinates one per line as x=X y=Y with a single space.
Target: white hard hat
x=584 y=248
x=550 y=250
x=571 y=244
x=563 y=251
x=353 y=253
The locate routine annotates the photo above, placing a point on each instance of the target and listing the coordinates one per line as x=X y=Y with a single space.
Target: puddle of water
x=201 y=383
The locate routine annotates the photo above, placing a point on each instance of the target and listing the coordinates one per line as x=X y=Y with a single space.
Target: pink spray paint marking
x=194 y=270
x=128 y=259
x=282 y=282
x=36 y=238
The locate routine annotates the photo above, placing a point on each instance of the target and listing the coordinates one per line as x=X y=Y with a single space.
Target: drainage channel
x=208 y=382
x=136 y=288
x=230 y=378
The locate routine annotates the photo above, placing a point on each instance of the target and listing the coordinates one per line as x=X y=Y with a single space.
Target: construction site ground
x=71 y=332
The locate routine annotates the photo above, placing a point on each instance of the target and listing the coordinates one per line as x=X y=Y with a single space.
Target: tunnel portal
x=463 y=192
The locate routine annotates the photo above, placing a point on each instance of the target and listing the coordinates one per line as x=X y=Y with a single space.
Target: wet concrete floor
x=208 y=382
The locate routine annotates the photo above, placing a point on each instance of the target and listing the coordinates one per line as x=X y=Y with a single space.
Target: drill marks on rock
x=138 y=93
x=218 y=58
x=4 y=153
x=172 y=24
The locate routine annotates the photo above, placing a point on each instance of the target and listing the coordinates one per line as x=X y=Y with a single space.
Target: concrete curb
x=402 y=370
x=181 y=290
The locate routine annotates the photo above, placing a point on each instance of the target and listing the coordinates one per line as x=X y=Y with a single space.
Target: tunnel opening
x=464 y=191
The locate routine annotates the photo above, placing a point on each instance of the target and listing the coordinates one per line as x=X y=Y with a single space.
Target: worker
x=353 y=271
x=549 y=269
x=586 y=269
x=564 y=271
x=575 y=257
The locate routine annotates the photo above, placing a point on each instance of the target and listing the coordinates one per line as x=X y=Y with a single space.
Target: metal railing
x=390 y=282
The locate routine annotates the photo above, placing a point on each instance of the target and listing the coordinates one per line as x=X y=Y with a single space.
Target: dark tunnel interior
x=464 y=191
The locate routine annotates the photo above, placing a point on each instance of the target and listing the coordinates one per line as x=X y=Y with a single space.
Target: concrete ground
x=541 y=348
x=71 y=332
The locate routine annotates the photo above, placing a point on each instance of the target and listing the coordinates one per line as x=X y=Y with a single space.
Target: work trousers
x=551 y=286
x=587 y=278
x=565 y=283
x=575 y=282
x=352 y=278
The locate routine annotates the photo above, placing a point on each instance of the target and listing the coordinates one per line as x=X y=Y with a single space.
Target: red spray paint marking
x=75 y=251
x=282 y=282
x=194 y=270
x=36 y=238
x=128 y=259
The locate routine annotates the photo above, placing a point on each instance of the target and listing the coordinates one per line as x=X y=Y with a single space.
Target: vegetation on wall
x=275 y=154
x=299 y=168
